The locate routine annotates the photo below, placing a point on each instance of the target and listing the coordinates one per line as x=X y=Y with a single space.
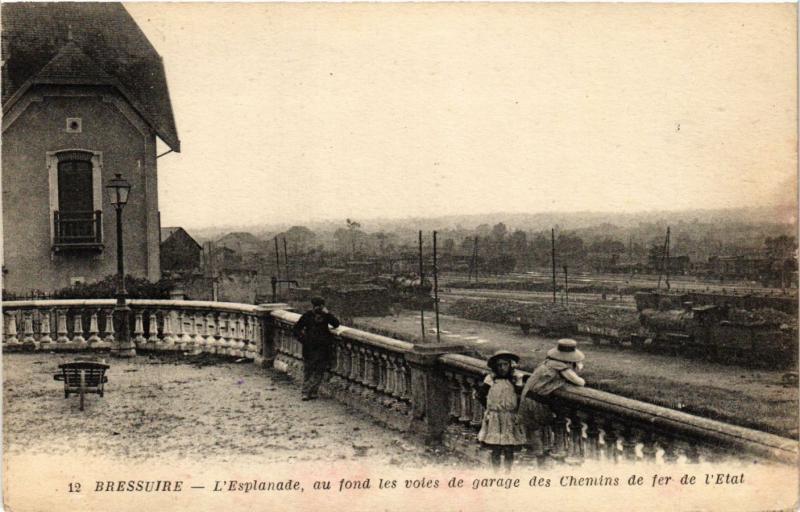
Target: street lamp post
x=118 y=189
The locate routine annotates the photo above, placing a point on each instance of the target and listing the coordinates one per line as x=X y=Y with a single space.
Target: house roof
x=85 y=44
x=167 y=233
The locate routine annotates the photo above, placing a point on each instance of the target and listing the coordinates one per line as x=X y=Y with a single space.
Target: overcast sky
x=292 y=113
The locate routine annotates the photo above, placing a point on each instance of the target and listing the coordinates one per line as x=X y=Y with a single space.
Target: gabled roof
x=167 y=233
x=85 y=44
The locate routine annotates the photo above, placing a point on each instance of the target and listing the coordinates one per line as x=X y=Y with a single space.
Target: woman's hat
x=501 y=354
x=566 y=351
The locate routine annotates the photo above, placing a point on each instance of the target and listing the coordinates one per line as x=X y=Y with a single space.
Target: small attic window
x=74 y=125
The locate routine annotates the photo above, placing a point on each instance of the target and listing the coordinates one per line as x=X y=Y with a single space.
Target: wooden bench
x=82 y=377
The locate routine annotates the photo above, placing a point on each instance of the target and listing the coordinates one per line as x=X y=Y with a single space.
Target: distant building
x=84 y=97
x=179 y=251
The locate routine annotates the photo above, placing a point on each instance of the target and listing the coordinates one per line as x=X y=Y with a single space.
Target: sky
x=291 y=113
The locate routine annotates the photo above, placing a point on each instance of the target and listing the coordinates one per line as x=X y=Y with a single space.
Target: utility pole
x=553 y=256
x=421 y=286
x=277 y=268
x=286 y=258
x=436 y=288
x=475 y=257
x=664 y=262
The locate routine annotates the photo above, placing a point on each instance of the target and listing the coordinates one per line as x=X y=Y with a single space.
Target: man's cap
x=317 y=301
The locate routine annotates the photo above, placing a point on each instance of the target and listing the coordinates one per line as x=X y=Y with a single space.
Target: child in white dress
x=502 y=430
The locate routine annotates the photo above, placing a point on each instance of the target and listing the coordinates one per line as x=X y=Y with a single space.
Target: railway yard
x=752 y=397
x=710 y=368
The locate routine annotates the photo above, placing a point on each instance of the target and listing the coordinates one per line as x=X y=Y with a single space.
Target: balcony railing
x=407 y=386
x=77 y=230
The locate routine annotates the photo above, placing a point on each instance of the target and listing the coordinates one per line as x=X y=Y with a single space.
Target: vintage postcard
x=399 y=256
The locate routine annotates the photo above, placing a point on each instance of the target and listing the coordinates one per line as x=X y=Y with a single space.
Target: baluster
x=246 y=348
x=629 y=442
x=383 y=365
x=202 y=332
x=360 y=364
x=94 y=338
x=222 y=343
x=575 y=429
x=346 y=361
x=353 y=375
x=592 y=438
x=464 y=413
x=44 y=328
x=77 y=338
x=369 y=368
x=28 y=339
x=10 y=337
x=168 y=342
x=393 y=376
x=211 y=332
x=670 y=454
x=240 y=345
x=339 y=368
x=477 y=406
x=252 y=341
x=233 y=326
x=258 y=336
x=181 y=338
x=649 y=449
x=152 y=330
x=233 y=342
x=194 y=334
x=559 y=449
x=109 y=339
x=406 y=383
x=138 y=330
x=61 y=328
x=610 y=438
x=454 y=395
x=692 y=453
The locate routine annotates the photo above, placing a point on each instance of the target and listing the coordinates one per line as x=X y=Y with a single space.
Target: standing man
x=313 y=332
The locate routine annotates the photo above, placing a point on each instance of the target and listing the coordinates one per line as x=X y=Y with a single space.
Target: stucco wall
x=127 y=146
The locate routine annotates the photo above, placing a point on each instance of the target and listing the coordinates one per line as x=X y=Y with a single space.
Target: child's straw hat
x=566 y=351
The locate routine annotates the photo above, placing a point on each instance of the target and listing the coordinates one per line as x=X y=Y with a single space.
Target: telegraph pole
x=436 y=288
x=553 y=256
x=421 y=286
x=286 y=259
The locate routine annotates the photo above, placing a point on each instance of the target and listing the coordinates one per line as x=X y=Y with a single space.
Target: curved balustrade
x=586 y=424
x=400 y=383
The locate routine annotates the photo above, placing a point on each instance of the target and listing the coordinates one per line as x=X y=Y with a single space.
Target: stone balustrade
x=195 y=327
x=592 y=424
x=587 y=424
x=430 y=390
x=368 y=371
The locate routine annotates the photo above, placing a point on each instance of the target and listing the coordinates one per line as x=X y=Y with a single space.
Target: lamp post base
x=123 y=346
x=123 y=349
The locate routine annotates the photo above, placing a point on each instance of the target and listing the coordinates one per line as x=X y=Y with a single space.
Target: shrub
x=137 y=288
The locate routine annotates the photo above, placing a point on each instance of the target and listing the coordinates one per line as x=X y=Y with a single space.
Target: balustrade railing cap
x=439 y=348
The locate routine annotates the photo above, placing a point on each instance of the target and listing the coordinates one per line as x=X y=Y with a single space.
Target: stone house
x=179 y=251
x=84 y=97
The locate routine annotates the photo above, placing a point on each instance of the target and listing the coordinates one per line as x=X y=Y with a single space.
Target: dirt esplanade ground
x=159 y=408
